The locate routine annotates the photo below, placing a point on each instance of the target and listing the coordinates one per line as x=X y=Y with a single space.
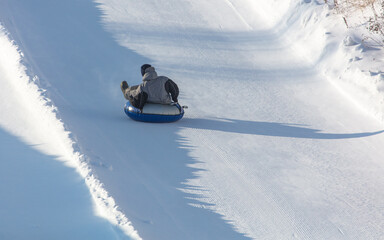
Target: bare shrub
x=376 y=22
x=349 y=6
x=373 y=17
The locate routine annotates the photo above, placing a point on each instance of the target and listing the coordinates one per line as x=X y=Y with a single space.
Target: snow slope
x=269 y=149
x=41 y=198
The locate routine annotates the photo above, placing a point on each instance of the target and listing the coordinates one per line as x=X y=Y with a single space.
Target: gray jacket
x=154 y=89
x=154 y=86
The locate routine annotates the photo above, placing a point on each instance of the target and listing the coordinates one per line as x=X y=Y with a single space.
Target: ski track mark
x=242 y=19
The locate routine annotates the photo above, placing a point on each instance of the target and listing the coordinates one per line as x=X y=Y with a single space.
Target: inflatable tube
x=155 y=113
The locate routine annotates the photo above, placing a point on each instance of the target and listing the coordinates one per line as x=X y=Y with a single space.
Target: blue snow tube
x=155 y=113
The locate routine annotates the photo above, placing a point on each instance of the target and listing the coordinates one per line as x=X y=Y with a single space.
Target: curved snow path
x=277 y=151
x=268 y=147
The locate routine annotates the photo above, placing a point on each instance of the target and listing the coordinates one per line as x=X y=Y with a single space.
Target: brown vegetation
x=373 y=14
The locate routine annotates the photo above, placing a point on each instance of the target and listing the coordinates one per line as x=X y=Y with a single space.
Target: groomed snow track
x=268 y=149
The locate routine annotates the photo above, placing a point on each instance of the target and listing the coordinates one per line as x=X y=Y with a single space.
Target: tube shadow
x=272 y=129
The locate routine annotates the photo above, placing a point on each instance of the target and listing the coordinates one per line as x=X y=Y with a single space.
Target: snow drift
x=342 y=53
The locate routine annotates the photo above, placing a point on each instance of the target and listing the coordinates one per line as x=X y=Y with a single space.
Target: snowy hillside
x=282 y=138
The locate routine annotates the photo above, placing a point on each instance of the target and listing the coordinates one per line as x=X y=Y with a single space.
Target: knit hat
x=143 y=68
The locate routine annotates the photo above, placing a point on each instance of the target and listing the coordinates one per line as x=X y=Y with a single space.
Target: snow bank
x=32 y=117
x=355 y=66
x=342 y=54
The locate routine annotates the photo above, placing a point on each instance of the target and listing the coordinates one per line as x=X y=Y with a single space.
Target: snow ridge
x=33 y=117
x=351 y=64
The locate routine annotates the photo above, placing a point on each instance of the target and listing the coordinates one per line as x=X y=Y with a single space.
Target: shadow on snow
x=272 y=129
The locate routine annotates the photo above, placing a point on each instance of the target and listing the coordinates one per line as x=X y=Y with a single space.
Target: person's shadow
x=273 y=129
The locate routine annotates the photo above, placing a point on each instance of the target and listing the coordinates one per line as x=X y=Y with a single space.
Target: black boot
x=123 y=86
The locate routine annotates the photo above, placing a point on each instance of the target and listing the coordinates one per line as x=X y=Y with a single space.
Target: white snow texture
x=282 y=138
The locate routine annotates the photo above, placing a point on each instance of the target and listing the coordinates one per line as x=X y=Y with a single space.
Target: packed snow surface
x=278 y=142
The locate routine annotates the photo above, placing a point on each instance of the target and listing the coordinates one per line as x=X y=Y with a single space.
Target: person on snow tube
x=153 y=89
